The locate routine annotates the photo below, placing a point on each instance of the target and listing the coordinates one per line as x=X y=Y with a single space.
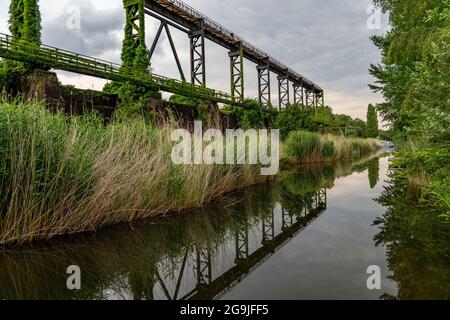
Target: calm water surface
x=311 y=234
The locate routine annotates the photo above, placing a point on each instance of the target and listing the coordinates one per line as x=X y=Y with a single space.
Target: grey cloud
x=97 y=35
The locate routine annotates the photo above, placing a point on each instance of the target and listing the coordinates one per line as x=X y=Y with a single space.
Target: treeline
x=414 y=78
x=299 y=117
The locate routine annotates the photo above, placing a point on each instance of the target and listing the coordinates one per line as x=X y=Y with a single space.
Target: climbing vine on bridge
x=135 y=56
x=24 y=25
x=25 y=21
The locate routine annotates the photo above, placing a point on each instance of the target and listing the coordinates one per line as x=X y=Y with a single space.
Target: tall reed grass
x=308 y=147
x=63 y=175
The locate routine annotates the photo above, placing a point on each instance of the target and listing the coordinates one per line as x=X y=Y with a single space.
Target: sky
x=327 y=41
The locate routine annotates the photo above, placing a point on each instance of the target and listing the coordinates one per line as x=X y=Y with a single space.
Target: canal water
x=313 y=233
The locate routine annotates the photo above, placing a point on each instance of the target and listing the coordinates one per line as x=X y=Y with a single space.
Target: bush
x=251 y=115
x=314 y=147
x=302 y=144
x=293 y=118
x=179 y=99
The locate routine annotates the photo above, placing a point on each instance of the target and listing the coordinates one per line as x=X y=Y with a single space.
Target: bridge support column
x=268 y=228
x=310 y=99
x=203 y=266
x=264 y=83
x=322 y=197
x=237 y=73
x=134 y=51
x=198 y=67
x=298 y=94
x=242 y=248
x=283 y=91
x=286 y=220
x=319 y=99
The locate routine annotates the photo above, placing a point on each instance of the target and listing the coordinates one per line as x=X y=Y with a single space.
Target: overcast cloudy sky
x=325 y=40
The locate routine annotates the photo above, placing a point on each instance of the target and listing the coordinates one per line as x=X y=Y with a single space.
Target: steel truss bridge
x=209 y=286
x=198 y=27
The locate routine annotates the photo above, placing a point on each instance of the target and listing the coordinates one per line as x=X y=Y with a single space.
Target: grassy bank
x=308 y=147
x=64 y=175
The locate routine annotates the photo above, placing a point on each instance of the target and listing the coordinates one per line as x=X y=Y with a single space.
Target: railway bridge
x=199 y=28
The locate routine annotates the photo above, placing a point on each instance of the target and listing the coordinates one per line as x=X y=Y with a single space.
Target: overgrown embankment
x=64 y=175
x=414 y=78
x=309 y=147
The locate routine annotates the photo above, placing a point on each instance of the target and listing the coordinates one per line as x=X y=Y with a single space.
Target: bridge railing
x=70 y=61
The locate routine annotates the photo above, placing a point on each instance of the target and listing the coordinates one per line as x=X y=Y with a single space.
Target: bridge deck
x=74 y=62
x=187 y=17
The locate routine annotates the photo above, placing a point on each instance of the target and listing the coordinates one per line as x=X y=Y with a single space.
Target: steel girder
x=283 y=91
x=242 y=245
x=237 y=73
x=298 y=94
x=203 y=266
x=319 y=99
x=310 y=98
x=198 y=66
x=264 y=83
x=268 y=228
x=135 y=21
x=164 y=25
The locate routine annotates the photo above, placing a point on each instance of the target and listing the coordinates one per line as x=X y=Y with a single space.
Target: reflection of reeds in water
x=125 y=259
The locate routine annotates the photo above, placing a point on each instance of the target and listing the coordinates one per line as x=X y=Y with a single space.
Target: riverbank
x=303 y=147
x=64 y=175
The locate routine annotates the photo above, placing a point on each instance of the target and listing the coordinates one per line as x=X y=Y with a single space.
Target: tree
x=374 y=172
x=414 y=74
x=372 y=122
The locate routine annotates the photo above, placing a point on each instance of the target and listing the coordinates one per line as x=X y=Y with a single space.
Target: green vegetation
x=414 y=78
x=306 y=146
x=3 y=76
x=374 y=172
x=178 y=99
x=25 y=26
x=62 y=175
x=372 y=122
x=134 y=100
x=416 y=242
x=252 y=115
x=320 y=119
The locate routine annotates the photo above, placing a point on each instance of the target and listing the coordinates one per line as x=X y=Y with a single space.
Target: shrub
x=314 y=147
x=302 y=144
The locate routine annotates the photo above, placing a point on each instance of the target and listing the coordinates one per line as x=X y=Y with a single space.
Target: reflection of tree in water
x=374 y=172
x=417 y=243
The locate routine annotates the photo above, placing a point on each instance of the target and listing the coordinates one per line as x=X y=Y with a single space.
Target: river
x=310 y=234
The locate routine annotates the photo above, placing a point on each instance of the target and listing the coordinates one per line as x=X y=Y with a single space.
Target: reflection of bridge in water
x=273 y=232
